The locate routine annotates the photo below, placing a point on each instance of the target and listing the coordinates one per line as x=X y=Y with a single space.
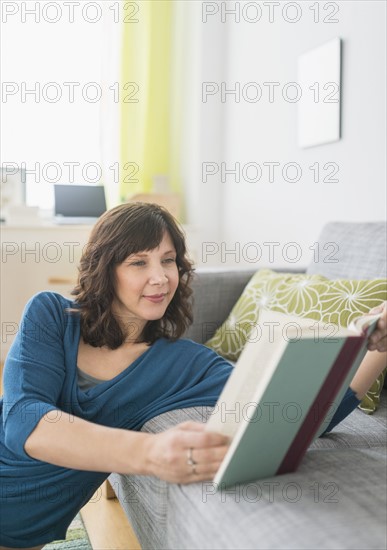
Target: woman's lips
x=155 y=298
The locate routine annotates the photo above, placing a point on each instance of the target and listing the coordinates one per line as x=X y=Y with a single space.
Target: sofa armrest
x=145 y=499
x=173 y=516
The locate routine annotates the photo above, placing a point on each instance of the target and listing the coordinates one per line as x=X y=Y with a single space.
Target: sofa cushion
x=312 y=296
x=358 y=430
x=320 y=506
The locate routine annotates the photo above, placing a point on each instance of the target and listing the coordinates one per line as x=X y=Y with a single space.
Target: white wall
x=281 y=211
x=204 y=55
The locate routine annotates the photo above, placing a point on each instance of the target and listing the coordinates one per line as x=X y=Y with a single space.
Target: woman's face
x=145 y=285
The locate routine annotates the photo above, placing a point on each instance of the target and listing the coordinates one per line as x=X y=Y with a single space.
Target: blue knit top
x=39 y=500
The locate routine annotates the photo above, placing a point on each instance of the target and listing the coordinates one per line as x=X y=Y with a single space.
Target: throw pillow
x=313 y=296
x=261 y=293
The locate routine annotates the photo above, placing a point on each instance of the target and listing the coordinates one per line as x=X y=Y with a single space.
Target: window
x=52 y=93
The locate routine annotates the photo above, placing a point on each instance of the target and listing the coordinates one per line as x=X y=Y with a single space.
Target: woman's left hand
x=378 y=339
x=185 y=453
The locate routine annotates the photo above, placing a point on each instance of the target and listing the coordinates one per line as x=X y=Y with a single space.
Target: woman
x=83 y=376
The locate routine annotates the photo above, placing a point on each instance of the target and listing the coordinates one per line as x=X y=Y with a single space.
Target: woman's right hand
x=168 y=453
x=378 y=339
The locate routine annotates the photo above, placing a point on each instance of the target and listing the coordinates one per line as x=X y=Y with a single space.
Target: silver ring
x=190 y=461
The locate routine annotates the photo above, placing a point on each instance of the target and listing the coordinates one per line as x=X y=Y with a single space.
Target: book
x=286 y=385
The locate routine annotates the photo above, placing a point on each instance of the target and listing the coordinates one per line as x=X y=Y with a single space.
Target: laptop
x=78 y=204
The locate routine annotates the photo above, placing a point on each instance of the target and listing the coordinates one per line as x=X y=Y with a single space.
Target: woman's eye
x=141 y=263
x=138 y=263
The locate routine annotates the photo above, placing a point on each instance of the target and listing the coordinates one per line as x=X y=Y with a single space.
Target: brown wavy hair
x=124 y=230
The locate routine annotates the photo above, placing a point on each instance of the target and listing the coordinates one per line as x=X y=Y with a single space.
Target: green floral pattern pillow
x=313 y=296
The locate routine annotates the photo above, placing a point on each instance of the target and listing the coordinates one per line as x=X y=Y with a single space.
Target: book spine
x=321 y=404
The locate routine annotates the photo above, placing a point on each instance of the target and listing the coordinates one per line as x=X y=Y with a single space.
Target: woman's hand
x=185 y=453
x=378 y=339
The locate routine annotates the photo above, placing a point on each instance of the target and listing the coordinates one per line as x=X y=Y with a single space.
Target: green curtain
x=148 y=127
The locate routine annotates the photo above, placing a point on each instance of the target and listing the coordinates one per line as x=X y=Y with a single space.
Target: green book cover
x=272 y=389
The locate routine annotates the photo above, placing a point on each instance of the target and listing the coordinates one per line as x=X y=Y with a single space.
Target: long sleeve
x=347 y=405
x=34 y=370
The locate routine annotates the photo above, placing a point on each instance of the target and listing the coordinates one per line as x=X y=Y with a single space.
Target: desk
x=35 y=258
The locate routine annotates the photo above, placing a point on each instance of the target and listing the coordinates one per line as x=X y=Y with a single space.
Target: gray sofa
x=338 y=497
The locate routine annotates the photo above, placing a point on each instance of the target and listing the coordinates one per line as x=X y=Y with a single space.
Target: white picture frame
x=319 y=109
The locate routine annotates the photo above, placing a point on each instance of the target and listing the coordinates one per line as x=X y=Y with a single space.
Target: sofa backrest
x=215 y=293
x=345 y=250
x=351 y=250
